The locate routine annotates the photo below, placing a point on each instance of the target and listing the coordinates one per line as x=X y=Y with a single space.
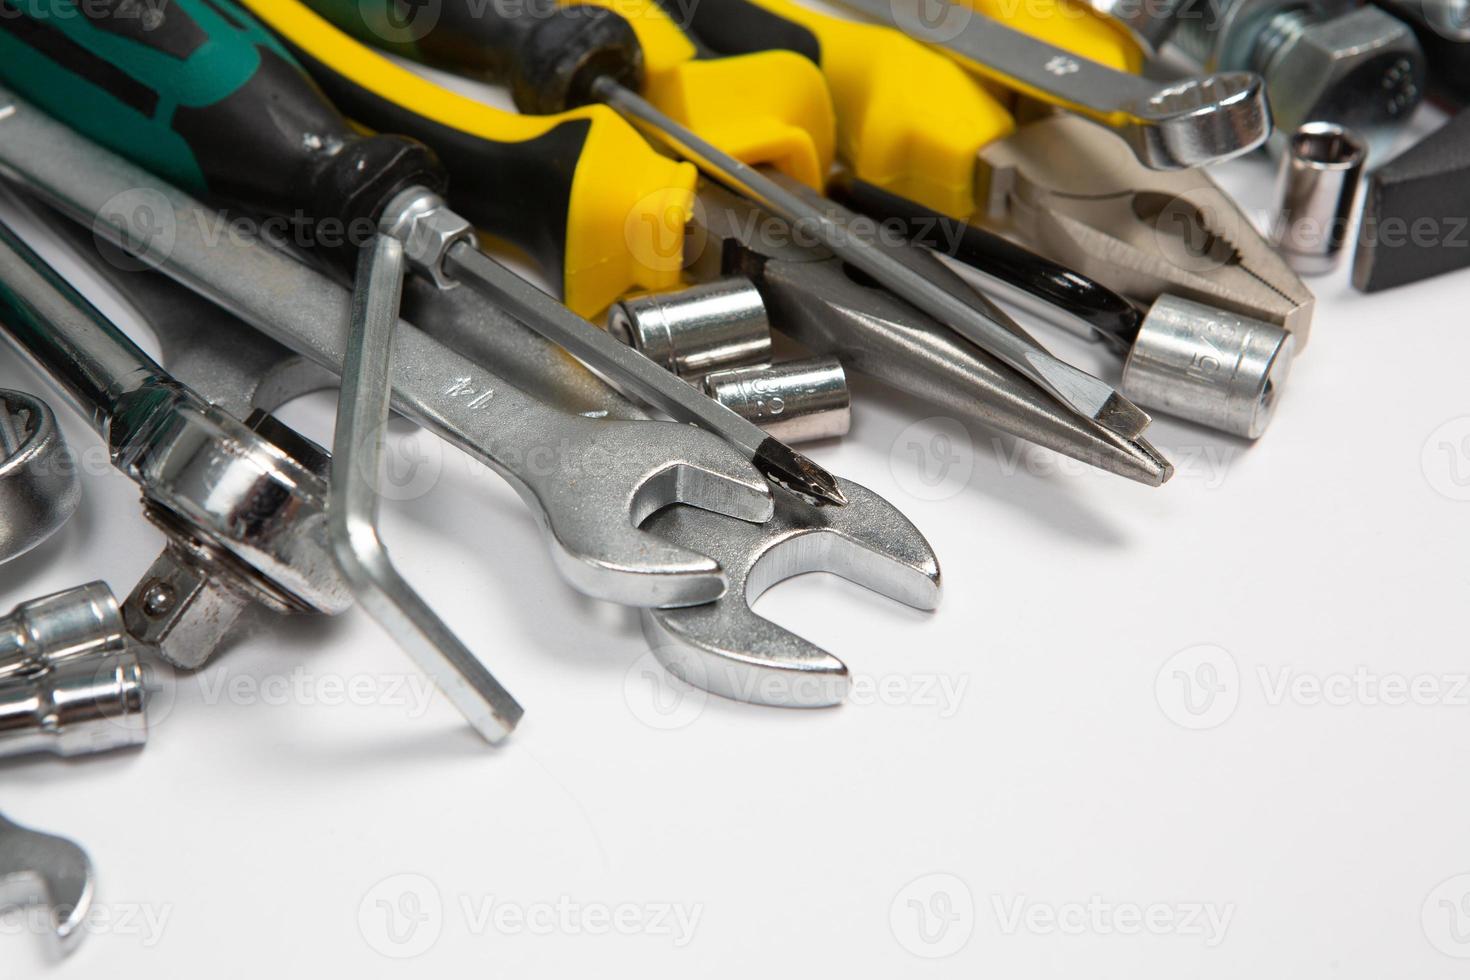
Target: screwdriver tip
x=788 y=468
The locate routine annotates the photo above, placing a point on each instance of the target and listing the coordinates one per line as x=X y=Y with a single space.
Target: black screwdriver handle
x=201 y=94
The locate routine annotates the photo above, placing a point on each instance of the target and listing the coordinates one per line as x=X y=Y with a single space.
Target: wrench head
x=37 y=868
x=726 y=648
x=607 y=476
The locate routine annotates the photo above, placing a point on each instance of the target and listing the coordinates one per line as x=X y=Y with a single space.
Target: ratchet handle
x=207 y=99
x=581 y=192
x=909 y=120
x=547 y=55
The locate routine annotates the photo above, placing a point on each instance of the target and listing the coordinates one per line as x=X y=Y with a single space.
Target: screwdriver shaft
x=1079 y=391
x=646 y=380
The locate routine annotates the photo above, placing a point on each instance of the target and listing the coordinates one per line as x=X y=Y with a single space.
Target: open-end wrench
x=722 y=646
x=1169 y=125
x=591 y=481
x=41 y=869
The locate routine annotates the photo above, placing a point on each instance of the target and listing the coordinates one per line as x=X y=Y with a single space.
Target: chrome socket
x=1208 y=365
x=1316 y=188
x=692 y=332
x=71 y=682
x=797 y=401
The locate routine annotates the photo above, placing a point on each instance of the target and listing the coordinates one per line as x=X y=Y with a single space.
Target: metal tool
x=868 y=541
x=357 y=464
x=1169 y=126
x=37 y=868
x=71 y=681
x=79 y=707
x=1065 y=189
x=698 y=330
x=1323 y=60
x=1148 y=22
x=797 y=400
x=1416 y=212
x=259 y=132
x=813 y=298
x=603 y=79
x=44 y=633
x=236 y=508
x=591 y=481
x=726 y=648
x=39 y=485
x=1317 y=187
x=908 y=273
x=255 y=375
x=1443 y=30
x=1191 y=360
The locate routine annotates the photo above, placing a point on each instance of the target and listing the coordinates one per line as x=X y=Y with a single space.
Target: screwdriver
x=586 y=72
x=864 y=325
x=246 y=124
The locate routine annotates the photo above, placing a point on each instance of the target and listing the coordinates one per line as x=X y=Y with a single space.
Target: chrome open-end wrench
x=722 y=646
x=591 y=481
x=1169 y=125
x=37 y=868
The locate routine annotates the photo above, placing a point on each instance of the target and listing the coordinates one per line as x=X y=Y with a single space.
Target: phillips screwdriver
x=905 y=272
x=246 y=124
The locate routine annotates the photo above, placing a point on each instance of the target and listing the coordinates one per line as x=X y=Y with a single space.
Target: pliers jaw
x=1071 y=190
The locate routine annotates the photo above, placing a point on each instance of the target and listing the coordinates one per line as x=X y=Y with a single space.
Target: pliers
x=378 y=93
x=912 y=122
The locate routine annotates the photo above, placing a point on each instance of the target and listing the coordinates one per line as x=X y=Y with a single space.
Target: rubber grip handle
x=547 y=55
x=908 y=119
x=203 y=96
x=582 y=193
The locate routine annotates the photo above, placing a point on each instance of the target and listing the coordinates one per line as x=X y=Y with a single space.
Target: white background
x=1150 y=732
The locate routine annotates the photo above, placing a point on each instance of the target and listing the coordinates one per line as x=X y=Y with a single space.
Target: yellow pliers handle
x=910 y=120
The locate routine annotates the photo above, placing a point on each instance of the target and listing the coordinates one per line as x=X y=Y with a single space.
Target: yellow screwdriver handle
x=769 y=107
x=581 y=192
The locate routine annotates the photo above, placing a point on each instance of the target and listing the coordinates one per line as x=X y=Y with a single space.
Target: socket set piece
x=696 y=331
x=71 y=682
x=39 y=486
x=795 y=401
x=1319 y=180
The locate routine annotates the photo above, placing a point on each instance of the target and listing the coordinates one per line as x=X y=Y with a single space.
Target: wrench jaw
x=1198 y=120
x=726 y=648
x=607 y=476
x=41 y=869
